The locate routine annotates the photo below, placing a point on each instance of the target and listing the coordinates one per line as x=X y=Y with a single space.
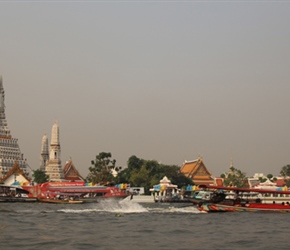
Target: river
x=113 y=225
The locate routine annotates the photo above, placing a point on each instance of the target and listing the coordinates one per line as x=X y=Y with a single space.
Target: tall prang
x=9 y=148
x=44 y=154
x=53 y=168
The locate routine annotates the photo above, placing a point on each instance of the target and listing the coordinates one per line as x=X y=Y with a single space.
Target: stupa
x=53 y=166
x=9 y=149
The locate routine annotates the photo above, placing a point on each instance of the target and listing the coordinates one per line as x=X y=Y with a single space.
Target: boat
x=61 y=201
x=232 y=199
x=167 y=192
x=80 y=189
x=14 y=194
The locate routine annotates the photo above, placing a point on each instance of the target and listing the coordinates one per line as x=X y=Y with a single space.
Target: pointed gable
x=197 y=171
x=71 y=173
x=15 y=170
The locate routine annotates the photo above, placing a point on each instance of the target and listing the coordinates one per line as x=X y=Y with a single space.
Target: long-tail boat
x=80 y=189
x=232 y=199
x=14 y=194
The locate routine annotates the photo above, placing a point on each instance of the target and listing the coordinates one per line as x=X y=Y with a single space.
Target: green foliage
x=39 y=176
x=140 y=172
x=285 y=171
x=269 y=176
x=123 y=176
x=261 y=179
x=134 y=163
x=235 y=177
x=101 y=169
x=287 y=183
x=139 y=178
x=223 y=176
x=146 y=173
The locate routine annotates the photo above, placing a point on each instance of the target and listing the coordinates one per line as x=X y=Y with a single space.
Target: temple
x=197 y=171
x=50 y=161
x=53 y=165
x=44 y=154
x=9 y=149
x=71 y=173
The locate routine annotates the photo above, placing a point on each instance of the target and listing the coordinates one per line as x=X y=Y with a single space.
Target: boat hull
x=61 y=201
x=215 y=207
x=17 y=199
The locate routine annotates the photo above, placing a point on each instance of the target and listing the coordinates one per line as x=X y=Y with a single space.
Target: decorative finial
x=199 y=157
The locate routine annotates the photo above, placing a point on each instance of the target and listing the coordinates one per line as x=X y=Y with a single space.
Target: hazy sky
x=162 y=80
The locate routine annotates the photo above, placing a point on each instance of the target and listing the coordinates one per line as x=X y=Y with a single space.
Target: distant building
x=71 y=173
x=16 y=176
x=53 y=167
x=9 y=149
x=50 y=160
x=277 y=181
x=44 y=154
x=197 y=171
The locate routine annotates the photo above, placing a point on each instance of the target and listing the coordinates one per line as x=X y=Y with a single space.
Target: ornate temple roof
x=15 y=170
x=197 y=171
x=71 y=173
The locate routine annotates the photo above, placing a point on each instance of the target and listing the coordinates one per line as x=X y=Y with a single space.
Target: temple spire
x=44 y=154
x=53 y=168
x=10 y=150
x=55 y=134
x=2 y=96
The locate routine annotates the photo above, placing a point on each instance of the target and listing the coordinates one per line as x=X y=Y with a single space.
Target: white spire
x=53 y=169
x=2 y=96
x=44 y=144
x=55 y=134
x=44 y=154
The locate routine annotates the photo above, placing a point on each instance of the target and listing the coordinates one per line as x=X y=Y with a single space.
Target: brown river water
x=114 y=225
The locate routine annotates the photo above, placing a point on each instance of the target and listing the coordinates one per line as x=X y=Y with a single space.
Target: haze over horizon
x=162 y=80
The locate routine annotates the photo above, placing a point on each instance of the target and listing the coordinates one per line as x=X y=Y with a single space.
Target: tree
x=261 y=179
x=285 y=171
x=123 y=176
x=269 y=176
x=147 y=173
x=39 y=176
x=140 y=178
x=101 y=169
x=135 y=163
x=235 y=177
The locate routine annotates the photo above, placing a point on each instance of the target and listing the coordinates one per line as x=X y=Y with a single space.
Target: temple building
x=53 y=165
x=197 y=171
x=50 y=161
x=71 y=173
x=16 y=176
x=9 y=149
x=44 y=154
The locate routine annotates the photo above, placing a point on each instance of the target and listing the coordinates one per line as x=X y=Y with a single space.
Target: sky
x=162 y=80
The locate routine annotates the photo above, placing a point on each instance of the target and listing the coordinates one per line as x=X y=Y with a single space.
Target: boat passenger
x=287 y=203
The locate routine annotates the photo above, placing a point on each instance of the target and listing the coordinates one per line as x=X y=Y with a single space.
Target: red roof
x=280 y=182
